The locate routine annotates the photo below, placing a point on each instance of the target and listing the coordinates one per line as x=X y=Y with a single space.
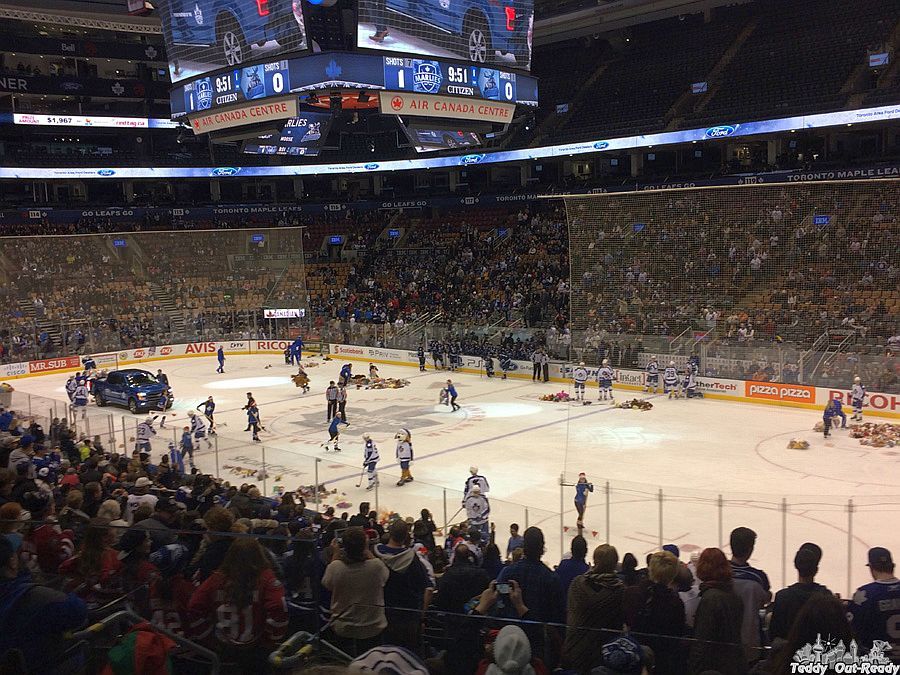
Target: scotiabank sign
x=341 y=349
x=873 y=401
x=46 y=365
x=776 y=391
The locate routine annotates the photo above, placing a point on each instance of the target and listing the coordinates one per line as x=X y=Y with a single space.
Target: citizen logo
x=464 y=91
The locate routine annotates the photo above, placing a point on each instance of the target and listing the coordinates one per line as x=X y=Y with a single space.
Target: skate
x=409 y=480
x=401 y=482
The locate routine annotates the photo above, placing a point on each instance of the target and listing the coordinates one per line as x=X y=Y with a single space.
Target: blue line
x=489 y=440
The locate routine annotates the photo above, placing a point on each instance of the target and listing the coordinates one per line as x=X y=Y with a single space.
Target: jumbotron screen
x=205 y=35
x=493 y=32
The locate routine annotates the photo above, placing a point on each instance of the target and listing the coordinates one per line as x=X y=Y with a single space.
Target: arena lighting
x=712 y=134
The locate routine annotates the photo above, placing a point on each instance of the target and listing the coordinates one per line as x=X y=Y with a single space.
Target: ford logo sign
x=72 y=86
x=371 y=166
x=720 y=131
x=226 y=171
x=601 y=145
x=471 y=159
x=106 y=172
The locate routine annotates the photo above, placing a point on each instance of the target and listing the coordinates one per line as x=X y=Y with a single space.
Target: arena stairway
x=41 y=323
x=167 y=302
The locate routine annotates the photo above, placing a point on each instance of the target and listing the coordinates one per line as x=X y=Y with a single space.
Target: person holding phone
x=501 y=594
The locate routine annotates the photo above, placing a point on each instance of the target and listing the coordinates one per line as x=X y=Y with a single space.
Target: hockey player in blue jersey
x=208 y=408
x=345 y=374
x=833 y=409
x=288 y=356
x=453 y=357
x=420 y=353
x=176 y=458
x=370 y=461
x=334 y=434
x=253 y=422
x=604 y=382
x=89 y=364
x=451 y=395
x=488 y=364
x=670 y=380
x=161 y=405
x=297 y=350
x=220 y=357
x=506 y=363
x=875 y=607
x=187 y=446
x=694 y=362
x=857 y=398
x=198 y=428
x=579 y=377
x=651 y=383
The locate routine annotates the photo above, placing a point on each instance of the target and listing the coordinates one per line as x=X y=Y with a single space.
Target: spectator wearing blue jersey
x=875 y=608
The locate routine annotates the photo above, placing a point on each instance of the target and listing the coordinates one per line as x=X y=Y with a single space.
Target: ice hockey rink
x=685 y=472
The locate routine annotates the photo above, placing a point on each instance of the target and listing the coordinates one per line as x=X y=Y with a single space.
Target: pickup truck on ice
x=136 y=389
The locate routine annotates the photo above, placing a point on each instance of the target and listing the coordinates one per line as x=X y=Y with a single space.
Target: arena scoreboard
x=351 y=71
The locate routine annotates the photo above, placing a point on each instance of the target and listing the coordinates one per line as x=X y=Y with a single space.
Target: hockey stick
x=363 y=473
x=453 y=516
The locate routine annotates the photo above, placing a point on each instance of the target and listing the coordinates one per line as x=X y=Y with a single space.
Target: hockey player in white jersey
x=579 y=377
x=80 y=399
x=70 y=388
x=670 y=380
x=651 y=383
x=198 y=428
x=690 y=386
x=604 y=381
x=145 y=432
x=857 y=397
x=370 y=461
x=475 y=479
x=478 y=511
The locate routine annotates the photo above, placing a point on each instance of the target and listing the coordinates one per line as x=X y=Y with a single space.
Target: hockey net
x=783 y=282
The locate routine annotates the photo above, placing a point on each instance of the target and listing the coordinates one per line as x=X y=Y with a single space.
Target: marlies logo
x=427 y=76
x=833 y=656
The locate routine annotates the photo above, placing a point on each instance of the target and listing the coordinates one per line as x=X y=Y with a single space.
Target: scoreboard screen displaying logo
x=482 y=32
x=206 y=35
x=299 y=137
x=254 y=82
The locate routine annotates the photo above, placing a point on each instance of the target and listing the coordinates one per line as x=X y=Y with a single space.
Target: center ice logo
x=427 y=76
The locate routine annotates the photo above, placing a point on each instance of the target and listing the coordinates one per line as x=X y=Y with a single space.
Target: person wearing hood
x=511 y=653
x=594 y=604
x=405 y=590
x=34 y=618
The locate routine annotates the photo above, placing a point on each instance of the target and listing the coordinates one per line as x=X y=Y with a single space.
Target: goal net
x=783 y=282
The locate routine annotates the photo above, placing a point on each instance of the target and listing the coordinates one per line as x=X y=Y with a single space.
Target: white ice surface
x=693 y=450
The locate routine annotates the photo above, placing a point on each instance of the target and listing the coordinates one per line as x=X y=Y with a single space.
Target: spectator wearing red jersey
x=241 y=606
x=47 y=544
x=170 y=593
x=92 y=572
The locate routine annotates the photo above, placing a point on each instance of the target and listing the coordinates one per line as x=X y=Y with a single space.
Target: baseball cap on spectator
x=623 y=655
x=170 y=559
x=879 y=557
x=143 y=482
x=390 y=660
x=512 y=652
x=131 y=540
x=671 y=548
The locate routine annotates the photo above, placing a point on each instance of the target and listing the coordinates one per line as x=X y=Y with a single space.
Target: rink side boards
x=767 y=393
